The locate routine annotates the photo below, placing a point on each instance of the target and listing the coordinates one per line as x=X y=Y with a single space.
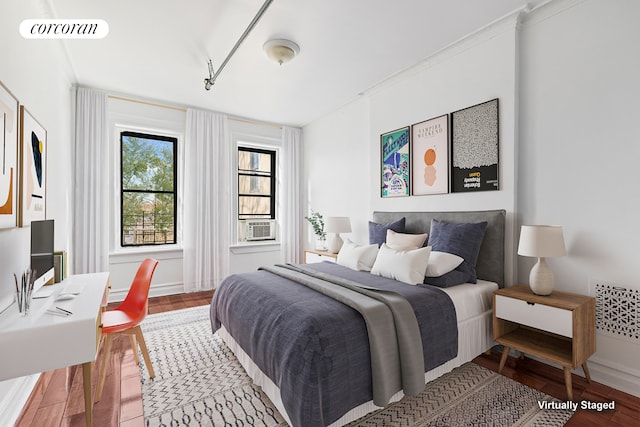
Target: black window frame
x=272 y=175
x=174 y=141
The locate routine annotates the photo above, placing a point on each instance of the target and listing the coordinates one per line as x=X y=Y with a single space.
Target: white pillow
x=403 y=241
x=357 y=257
x=406 y=266
x=441 y=263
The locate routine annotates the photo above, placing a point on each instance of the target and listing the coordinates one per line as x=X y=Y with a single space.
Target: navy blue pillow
x=452 y=278
x=378 y=232
x=463 y=240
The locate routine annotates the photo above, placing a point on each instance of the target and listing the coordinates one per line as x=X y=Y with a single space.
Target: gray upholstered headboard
x=490 y=264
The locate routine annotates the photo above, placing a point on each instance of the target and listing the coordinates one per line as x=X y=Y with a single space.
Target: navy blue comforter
x=315 y=349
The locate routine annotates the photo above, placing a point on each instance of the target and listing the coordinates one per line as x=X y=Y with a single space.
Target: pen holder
x=24 y=291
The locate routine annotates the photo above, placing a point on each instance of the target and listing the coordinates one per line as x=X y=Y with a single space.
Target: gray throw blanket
x=394 y=336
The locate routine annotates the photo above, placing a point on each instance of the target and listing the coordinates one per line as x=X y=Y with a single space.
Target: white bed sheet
x=473 y=309
x=472 y=299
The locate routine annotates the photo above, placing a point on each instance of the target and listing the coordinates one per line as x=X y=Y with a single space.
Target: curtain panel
x=291 y=200
x=207 y=200
x=90 y=177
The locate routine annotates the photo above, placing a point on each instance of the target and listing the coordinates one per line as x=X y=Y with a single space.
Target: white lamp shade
x=541 y=241
x=337 y=224
x=334 y=225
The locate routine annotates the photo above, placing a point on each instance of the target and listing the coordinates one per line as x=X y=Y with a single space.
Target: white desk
x=42 y=341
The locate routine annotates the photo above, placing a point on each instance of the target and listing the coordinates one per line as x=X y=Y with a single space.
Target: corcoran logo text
x=64 y=28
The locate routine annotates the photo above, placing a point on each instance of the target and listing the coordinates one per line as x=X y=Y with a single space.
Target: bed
x=320 y=369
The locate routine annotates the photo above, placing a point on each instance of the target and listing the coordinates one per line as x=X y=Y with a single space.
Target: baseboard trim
x=154 y=291
x=620 y=379
x=16 y=397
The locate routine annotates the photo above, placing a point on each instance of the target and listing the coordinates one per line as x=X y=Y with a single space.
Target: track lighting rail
x=208 y=82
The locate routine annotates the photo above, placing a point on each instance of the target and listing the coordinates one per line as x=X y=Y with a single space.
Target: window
x=256 y=183
x=148 y=189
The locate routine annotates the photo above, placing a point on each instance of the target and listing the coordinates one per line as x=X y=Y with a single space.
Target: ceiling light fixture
x=209 y=81
x=281 y=50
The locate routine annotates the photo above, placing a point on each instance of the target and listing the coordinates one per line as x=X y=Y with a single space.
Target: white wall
x=337 y=162
x=342 y=149
x=579 y=149
x=568 y=91
x=37 y=73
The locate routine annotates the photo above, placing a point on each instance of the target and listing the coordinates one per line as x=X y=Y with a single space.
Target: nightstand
x=560 y=327
x=318 y=256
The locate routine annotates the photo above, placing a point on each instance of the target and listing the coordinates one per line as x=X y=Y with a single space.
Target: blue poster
x=395 y=163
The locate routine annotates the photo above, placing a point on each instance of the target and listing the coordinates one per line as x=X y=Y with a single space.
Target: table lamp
x=334 y=225
x=542 y=241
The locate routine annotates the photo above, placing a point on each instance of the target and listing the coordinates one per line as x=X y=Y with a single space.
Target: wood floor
x=550 y=380
x=57 y=399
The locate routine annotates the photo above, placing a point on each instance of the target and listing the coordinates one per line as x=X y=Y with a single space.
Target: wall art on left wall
x=33 y=161
x=9 y=158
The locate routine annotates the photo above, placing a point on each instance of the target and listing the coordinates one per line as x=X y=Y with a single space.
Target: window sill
x=140 y=253
x=253 y=247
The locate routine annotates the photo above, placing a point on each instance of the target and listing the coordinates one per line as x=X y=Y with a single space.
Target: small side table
x=560 y=327
x=311 y=255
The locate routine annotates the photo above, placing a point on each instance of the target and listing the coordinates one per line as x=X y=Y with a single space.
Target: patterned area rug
x=199 y=382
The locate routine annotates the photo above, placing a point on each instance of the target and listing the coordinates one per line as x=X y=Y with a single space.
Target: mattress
x=473 y=309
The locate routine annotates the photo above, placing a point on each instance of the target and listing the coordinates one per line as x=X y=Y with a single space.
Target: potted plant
x=317 y=222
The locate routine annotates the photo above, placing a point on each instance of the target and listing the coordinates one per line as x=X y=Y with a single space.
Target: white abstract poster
x=430 y=156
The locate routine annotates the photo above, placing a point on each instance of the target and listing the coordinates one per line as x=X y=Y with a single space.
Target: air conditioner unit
x=260 y=229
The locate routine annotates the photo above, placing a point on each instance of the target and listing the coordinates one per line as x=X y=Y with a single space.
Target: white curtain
x=290 y=201
x=90 y=176
x=207 y=207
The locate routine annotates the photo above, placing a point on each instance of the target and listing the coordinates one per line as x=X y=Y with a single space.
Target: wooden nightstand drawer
x=536 y=315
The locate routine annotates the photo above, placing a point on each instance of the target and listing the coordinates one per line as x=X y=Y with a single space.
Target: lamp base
x=541 y=279
x=334 y=243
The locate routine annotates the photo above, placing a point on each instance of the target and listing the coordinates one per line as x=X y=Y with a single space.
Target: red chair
x=126 y=319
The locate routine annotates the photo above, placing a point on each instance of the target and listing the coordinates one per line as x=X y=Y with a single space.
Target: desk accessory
x=24 y=290
x=59 y=311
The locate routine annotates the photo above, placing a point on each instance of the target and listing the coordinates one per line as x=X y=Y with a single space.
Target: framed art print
x=8 y=169
x=474 y=148
x=33 y=160
x=430 y=156
x=394 y=154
